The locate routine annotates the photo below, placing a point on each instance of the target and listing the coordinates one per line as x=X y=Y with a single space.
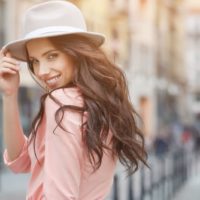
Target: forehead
x=38 y=46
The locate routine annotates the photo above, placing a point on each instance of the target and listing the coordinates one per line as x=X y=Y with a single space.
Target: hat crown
x=51 y=19
x=52 y=14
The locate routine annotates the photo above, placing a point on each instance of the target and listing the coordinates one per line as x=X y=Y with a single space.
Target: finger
x=2 y=52
x=10 y=60
x=8 y=54
x=7 y=71
x=11 y=66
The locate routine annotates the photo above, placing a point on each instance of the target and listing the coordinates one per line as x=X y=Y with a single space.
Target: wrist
x=10 y=95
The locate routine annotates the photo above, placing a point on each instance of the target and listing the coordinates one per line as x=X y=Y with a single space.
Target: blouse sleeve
x=63 y=150
x=22 y=164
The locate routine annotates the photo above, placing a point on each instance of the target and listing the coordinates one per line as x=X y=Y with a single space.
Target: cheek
x=66 y=65
x=70 y=68
x=70 y=72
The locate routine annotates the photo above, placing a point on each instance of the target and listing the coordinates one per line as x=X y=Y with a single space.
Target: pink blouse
x=64 y=172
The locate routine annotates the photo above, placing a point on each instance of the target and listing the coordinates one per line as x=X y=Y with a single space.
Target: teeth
x=52 y=80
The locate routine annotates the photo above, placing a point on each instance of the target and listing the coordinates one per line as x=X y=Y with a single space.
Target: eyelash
x=52 y=56
x=49 y=57
x=31 y=65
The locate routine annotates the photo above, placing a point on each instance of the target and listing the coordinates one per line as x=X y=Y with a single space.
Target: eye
x=33 y=64
x=52 y=56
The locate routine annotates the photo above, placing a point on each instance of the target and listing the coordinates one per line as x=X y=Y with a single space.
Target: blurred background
x=157 y=44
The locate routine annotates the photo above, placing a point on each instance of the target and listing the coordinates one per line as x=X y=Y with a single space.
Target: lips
x=53 y=82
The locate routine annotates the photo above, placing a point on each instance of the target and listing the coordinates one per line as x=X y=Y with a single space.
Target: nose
x=43 y=71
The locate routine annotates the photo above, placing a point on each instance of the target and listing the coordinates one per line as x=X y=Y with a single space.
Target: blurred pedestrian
x=161 y=146
x=162 y=141
x=85 y=122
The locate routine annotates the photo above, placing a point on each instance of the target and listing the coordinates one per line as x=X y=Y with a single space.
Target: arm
x=14 y=138
x=63 y=155
x=13 y=134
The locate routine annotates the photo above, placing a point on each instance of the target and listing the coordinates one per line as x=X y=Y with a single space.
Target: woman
x=86 y=121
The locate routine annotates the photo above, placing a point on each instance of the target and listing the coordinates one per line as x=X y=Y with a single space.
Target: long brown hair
x=106 y=101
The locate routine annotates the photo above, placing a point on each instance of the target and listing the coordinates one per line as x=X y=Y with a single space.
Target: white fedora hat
x=48 y=19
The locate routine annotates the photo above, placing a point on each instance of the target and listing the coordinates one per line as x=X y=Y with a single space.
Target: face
x=51 y=66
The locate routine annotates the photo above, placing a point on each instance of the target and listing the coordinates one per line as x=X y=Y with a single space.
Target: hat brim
x=18 y=50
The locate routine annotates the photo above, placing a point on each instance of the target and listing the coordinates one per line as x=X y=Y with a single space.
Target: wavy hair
x=106 y=101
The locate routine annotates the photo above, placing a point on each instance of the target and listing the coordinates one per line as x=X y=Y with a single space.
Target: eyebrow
x=45 y=53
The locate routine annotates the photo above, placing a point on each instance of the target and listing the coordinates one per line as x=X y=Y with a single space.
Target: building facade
x=141 y=71
x=157 y=70
x=192 y=55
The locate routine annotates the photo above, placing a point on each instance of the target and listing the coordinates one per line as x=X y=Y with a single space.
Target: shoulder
x=66 y=96
x=62 y=97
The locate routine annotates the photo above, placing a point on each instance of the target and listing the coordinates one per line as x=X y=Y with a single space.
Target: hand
x=9 y=74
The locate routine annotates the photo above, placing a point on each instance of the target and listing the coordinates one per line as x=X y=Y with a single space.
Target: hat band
x=50 y=30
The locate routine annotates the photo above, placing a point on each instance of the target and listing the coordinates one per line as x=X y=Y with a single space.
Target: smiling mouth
x=52 y=81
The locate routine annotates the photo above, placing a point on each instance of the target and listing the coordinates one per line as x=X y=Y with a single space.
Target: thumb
x=8 y=54
x=2 y=52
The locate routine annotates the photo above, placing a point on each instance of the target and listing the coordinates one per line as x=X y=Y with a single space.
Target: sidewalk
x=191 y=190
x=13 y=186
